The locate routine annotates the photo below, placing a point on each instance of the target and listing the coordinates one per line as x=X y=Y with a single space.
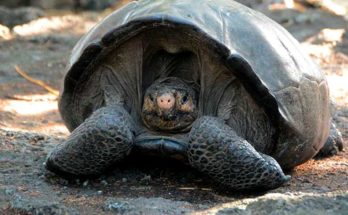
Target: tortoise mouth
x=168 y=117
x=173 y=121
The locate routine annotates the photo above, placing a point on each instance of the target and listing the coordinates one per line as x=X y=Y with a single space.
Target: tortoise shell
x=122 y=55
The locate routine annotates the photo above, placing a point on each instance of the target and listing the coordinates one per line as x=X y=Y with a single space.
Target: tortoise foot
x=333 y=145
x=103 y=139
x=215 y=149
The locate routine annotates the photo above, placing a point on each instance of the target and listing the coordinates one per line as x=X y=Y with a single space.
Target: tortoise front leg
x=103 y=139
x=215 y=149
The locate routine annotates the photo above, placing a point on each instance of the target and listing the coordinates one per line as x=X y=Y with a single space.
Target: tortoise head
x=169 y=105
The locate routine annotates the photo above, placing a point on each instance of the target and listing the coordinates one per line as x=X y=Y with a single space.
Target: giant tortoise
x=212 y=83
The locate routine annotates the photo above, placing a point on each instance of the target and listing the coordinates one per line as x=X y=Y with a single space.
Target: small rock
x=141 y=188
x=124 y=180
x=324 y=188
x=38 y=183
x=10 y=134
x=45 y=121
x=183 y=180
x=85 y=184
x=118 y=207
x=9 y=191
x=100 y=192
x=103 y=182
x=146 y=178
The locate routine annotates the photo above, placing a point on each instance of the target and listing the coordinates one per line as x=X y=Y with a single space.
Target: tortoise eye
x=184 y=99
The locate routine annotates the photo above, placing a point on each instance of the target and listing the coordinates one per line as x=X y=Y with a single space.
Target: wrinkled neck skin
x=169 y=106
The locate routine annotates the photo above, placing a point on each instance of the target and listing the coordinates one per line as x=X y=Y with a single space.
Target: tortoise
x=211 y=83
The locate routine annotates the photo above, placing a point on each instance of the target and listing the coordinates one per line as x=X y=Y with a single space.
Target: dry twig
x=35 y=81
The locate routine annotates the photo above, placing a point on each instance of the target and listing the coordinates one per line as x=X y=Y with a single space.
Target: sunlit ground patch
x=70 y=24
x=37 y=113
x=322 y=45
x=29 y=108
x=55 y=129
x=338 y=87
x=322 y=48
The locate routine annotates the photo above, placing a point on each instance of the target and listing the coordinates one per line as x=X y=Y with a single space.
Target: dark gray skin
x=213 y=147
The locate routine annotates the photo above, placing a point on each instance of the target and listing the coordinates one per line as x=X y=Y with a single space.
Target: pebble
x=103 y=182
x=324 y=188
x=38 y=183
x=146 y=178
x=85 y=184
x=119 y=207
x=124 y=180
x=9 y=191
x=45 y=121
x=100 y=192
x=63 y=182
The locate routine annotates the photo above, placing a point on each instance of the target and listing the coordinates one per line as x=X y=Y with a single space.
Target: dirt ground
x=30 y=126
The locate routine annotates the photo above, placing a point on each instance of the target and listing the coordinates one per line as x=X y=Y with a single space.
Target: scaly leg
x=103 y=139
x=215 y=149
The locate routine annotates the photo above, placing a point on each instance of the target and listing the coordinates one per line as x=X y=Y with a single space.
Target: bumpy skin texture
x=103 y=139
x=215 y=149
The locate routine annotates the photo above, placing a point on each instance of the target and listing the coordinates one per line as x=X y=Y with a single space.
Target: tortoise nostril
x=166 y=101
